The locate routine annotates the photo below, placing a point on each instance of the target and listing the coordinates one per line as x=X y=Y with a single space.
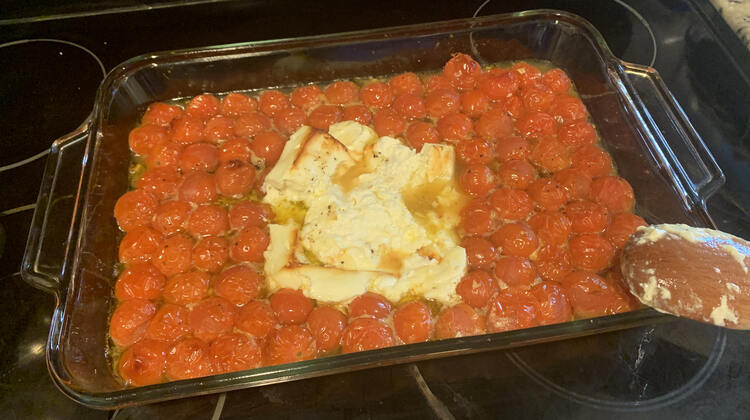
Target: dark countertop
x=673 y=370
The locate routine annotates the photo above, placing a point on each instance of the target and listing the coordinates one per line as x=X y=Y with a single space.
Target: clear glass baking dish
x=73 y=241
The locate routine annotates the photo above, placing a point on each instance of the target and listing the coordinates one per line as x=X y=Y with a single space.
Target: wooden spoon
x=696 y=273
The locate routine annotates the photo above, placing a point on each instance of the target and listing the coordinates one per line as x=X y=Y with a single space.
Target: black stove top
x=52 y=66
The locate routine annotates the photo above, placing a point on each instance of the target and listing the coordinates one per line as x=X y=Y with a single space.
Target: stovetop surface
x=52 y=66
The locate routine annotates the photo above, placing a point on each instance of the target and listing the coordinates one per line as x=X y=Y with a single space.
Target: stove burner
x=639 y=369
x=627 y=32
x=48 y=93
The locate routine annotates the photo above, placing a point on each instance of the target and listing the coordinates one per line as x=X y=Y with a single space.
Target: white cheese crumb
x=722 y=313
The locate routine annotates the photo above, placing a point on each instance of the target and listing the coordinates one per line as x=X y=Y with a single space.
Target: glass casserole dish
x=73 y=242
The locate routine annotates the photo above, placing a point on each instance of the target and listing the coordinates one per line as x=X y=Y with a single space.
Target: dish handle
x=51 y=233
x=676 y=143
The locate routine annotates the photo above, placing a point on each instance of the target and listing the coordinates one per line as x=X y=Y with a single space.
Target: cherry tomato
x=256 y=318
x=553 y=303
x=567 y=109
x=249 y=244
x=476 y=180
x=130 y=320
x=239 y=284
x=169 y=324
x=376 y=95
x=247 y=213
x=406 y=84
x=164 y=154
x=549 y=155
x=203 y=106
x=272 y=101
x=187 y=129
x=236 y=104
x=219 y=129
x=174 y=257
x=140 y=281
x=512 y=105
x=459 y=321
x=435 y=82
x=291 y=306
x=499 y=84
x=476 y=218
x=143 y=363
x=526 y=72
x=199 y=188
x=548 y=193
x=614 y=193
x=418 y=133
x=410 y=106
x=556 y=80
x=369 y=304
x=593 y=160
x=412 y=322
x=140 y=245
x=577 y=133
x=517 y=174
x=212 y=317
x=236 y=148
x=327 y=326
x=622 y=226
x=512 y=310
x=162 y=182
x=551 y=227
x=135 y=208
x=342 y=92
x=515 y=272
x=476 y=288
x=474 y=103
x=366 y=334
x=454 y=126
x=171 y=216
x=537 y=125
x=306 y=97
x=552 y=262
x=288 y=344
x=537 y=98
x=143 y=138
x=587 y=216
x=515 y=239
x=576 y=181
x=592 y=296
x=210 y=254
x=324 y=116
x=511 y=204
x=462 y=71
x=441 y=102
x=591 y=252
x=289 y=120
x=186 y=288
x=387 y=122
x=480 y=253
x=474 y=151
x=358 y=113
x=512 y=148
x=199 y=157
x=233 y=352
x=268 y=146
x=235 y=178
x=493 y=125
x=159 y=113
x=187 y=359
x=248 y=125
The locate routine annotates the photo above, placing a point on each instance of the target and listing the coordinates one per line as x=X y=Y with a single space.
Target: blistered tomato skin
x=327 y=325
x=412 y=322
x=290 y=343
x=291 y=306
x=366 y=334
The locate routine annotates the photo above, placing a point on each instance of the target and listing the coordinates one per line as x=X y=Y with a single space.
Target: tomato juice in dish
x=287 y=225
